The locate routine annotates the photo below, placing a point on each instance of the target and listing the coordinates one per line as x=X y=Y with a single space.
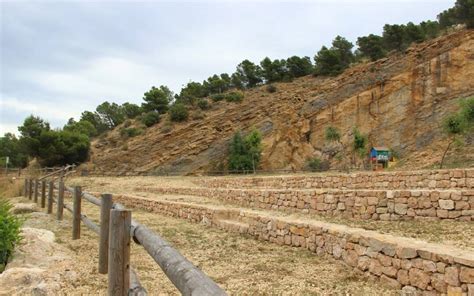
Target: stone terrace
x=261 y=207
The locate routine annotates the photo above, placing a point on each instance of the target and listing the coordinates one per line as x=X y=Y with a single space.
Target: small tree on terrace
x=359 y=144
x=453 y=126
x=245 y=153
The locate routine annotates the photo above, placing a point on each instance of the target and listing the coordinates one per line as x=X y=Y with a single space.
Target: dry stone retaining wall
x=361 y=204
x=403 y=263
x=429 y=179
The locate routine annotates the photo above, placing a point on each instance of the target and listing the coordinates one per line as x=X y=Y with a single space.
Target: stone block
x=451 y=276
x=466 y=275
x=419 y=278
x=406 y=253
x=446 y=204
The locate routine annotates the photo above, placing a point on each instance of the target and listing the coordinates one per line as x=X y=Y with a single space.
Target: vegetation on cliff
x=71 y=144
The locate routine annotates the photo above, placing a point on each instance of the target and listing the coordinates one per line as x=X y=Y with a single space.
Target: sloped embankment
x=399 y=101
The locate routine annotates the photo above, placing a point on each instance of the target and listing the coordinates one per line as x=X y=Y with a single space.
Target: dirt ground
x=240 y=265
x=455 y=233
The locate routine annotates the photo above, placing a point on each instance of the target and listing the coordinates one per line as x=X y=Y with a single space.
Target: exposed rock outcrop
x=399 y=101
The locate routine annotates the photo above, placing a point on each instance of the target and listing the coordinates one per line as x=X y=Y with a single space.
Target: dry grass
x=454 y=233
x=241 y=265
x=10 y=186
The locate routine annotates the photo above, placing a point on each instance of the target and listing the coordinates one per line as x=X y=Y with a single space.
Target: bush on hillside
x=9 y=232
x=203 y=104
x=130 y=132
x=218 y=97
x=150 y=118
x=234 y=97
x=178 y=112
x=245 y=153
x=315 y=164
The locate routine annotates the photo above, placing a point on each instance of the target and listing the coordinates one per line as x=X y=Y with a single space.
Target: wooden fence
x=116 y=229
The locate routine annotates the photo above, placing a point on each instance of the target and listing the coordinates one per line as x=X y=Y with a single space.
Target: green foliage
x=157 y=99
x=359 y=144
x=178 y=112
x=82 y=127
x=393 y=37
x=234 y=97
x=9 y=232
x=271 y=88
x=217 y=84
x=191 y=92
x=11 y=146
x=130 y=132
x=454 y=124
x=467 y=111
x=315 y=164
x=245 y=153
x=30 y=132
x=63 y=147
x=298 y=67
x=465 y=12
x=371 y=47
x=96 y=121
x=249 y=74
x=218 y=97
x=111 y=114
x=332 y=134
x=131 y=110
x=203 y=104
x=334 y=60
x=273 y=71
x=461 y=13
x=150 y=118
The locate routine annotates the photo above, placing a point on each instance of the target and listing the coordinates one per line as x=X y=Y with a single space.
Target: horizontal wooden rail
x=189 y=279
x=186 y=277
x=90 y=224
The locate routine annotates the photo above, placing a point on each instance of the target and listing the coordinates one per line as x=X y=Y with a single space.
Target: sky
x=59 y=58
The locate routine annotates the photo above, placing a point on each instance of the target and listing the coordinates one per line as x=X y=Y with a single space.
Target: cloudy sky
x=59 y=58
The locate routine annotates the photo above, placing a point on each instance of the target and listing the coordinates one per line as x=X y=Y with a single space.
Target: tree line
x=70 y=144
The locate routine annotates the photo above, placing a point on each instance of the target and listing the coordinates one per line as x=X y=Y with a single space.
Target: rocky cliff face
x=398 y=101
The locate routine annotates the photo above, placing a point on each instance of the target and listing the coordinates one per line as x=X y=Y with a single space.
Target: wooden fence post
x=50 y=197
x=76 y=214
x=25 y=190
x=43 y=193
x=119 y=252
x=59 y=213
x=105 y=207
x=30 y=189
x=36 y=190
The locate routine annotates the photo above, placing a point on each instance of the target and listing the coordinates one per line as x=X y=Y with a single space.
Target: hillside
x=398 y=101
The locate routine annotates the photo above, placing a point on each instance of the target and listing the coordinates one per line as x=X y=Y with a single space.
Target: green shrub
x=203 y=104
x=315 y=164
x=150 y=118
x=130 y=132
x=234 y=97
x=178 y=112
x=9 y=232
x=271 y=88
x=218 y=97
x=245 y=152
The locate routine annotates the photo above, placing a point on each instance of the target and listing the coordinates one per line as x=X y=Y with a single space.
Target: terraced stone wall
x=361 y=204
x=428 y=179
x=403 y=263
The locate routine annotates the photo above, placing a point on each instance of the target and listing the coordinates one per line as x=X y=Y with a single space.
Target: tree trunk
x=445 y=152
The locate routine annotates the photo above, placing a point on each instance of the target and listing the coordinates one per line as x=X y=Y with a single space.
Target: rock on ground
x=39 y=265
